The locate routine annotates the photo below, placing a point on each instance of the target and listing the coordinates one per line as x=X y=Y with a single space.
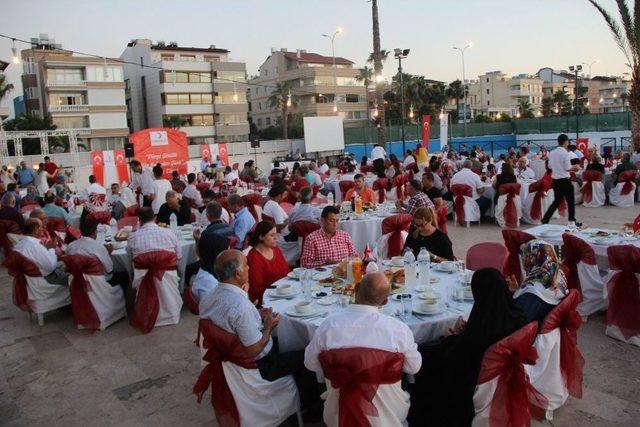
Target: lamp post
x=464 y=85
x=576 y=69
x=400 y=54
x=590 y=64
x=335 y=77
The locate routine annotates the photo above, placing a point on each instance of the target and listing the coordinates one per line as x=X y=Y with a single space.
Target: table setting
x=365 y=228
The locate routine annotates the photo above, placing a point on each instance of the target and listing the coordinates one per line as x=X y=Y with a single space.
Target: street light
x=464 y=87
x=590 y=64
x=576 y=94
x=400 y=54
x=14 y=52
x=335 y=77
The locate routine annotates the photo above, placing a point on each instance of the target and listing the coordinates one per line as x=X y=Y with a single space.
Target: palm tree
x=384 y=54
x=377 y=67
x=563 y=102
x=626 y=34
x=525 y=109
x=282 y=100
x=173 y=122
x=5 y=87
x=455 y=90
x=366 y=77
x=548 y=105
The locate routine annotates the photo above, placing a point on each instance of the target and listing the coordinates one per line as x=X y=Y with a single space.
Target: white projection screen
x=323 y=134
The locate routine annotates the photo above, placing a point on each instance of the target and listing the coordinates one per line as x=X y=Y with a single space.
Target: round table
x=366 y=229
x=294 y=333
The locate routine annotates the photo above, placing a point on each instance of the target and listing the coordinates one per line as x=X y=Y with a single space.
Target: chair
x=636 y=224
x=73 y=233
x=125 y=221
x=266 y=217
x=486 y=255
x=344 y=187
x=623 y=193
x=464 y=207
x=31 y=292
x=303 y=229
x=559 y=368
x=537 y=202
x=623 y=313
x=95 y=304
x=509 y=208
x=395 y=230
x=577 y=194
x=513 y=240
x=253 y=202
x=101 y=217
x=441 y=212
x=318 y=201
x=504 y=392
x=7 y=227
x=286 y=207
x=364 y=387
x=201 y=186
x=397 y=188
x=584 y=276
x=132 y=210
x=380 y=185
x=592 y=189
x=239 y=395
x=158 y=300
x=55 y=224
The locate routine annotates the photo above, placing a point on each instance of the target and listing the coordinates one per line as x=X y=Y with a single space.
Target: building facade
x=198 y=90
x=496 y=93
x=78 y=92
x=315 y=82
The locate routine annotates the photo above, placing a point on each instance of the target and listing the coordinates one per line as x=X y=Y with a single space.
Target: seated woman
x=544 y=284
x=444 y=387
x=424 y=233
x=506 y=176
x=266 y=260
x=595 y=164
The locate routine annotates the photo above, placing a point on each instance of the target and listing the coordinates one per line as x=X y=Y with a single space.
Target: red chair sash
x=627 y=177
x=636 y=224
x=357 y=372
x=442 y=218
x=380 y=185
x=510 y=212
x=54 y=224
x=84 y=314
x=513 y=239
x=251 y=201
x=19 y=267
x=587 y=189
x=459 y=192
x=395 y=225
x=304 y=228
x=221 y=346
x=147 y=305
x=190 y=301
x=132 y=210
x=73 y=233
x=7 y=226
x=399 y=182
x=624 y=290
x=565 y=317
x=540 y=189
x=510 y=402
x=344 y=187
x=102 y=217
x=266 y=217
x=576 y=250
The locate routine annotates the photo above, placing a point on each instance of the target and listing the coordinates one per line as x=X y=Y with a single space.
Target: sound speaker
x=128 y=150
x=255 y=143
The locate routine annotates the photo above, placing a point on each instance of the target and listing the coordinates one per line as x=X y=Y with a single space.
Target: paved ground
x=57 y=375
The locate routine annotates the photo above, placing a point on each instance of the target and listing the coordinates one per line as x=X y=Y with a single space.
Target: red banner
x=121 y=166
x=212 y=152
x=97 y=160
x=165 y=146
x=583 y=145
x=205 y=151
x=426 y=130
x=223 y=153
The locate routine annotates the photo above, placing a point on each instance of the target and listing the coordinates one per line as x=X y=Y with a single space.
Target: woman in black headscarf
x=444 y=387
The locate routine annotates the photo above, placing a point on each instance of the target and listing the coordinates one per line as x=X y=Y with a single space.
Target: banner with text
x=165 y=146
x=426 y=130
x=444 y=129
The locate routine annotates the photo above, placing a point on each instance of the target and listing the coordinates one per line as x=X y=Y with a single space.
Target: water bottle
x=173 y=222
x=114 y=226
x=330 y=200
x=409 y=261
x=424 y=261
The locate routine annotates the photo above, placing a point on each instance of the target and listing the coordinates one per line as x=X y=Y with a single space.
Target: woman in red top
x=266 y=262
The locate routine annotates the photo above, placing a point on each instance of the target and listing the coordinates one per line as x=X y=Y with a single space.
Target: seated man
x=229 y=308
x=305 y=211
x=151 y=237
x=429 y=188
x=523 y=171
x=243 y=221
x=52 y=210
x=191 y=192
x=44 y=257
x=89 y=246
x=328 y=245
x=176 y=183
x=353 y=328
x=273 y=209
x=117 y=202
x=366 y=194
x=417 y=198
x=625 y=165
x=9 y=212
x=468 y=177
x=173 y=205
x=12 y=188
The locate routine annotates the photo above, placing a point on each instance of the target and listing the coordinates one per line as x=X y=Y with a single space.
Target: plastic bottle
x=358 y=204
x=409 y=268
x=330 y=199
x=424 y=261
x=114 y=226
x=173 y=222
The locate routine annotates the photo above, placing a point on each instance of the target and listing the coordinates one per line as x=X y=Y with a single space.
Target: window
x=31 y=93
x=488 y=102
x=167 y=57
x=259 y=105
x=65 y=75
x=236 y=76
x=204 y=120
x=70 y=122
x=196 y=98
x=356 y=115
x=188 y=58
x=104 y=74
x=186 y=98
x=186 y=77
x=259 y=122
x=211 y=58
x=268 y=121
x=352 y=98
x=487 y=79
x=67 y=99
x=206 y=98
x=487 y=91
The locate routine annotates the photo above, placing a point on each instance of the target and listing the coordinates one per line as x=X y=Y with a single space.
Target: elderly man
x=25 y=175
x=117 y=201
x=328 y=245
x=366 y=194
x=323 y=167
x=93 y=188
x=141 y=181
x=151 y=237
x=305 y=211
x=191 y=192
x=88 y=245
x=467 y=177
x=228 y=307
x=313 y=177
x=362 y=325
x=13 y=189
x=45 y=257
x=173 y=205
x=8 y=212
x=417 y=198
x=524 y=172
x=52 y=210
x=243 y=221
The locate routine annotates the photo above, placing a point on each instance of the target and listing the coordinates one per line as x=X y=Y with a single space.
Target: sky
x=514 y=36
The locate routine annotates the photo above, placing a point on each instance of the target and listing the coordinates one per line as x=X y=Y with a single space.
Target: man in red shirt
x=328 y=245
x=366 y=194
x=51 y=168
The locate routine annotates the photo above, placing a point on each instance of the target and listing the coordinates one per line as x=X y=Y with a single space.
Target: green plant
x=283 y=100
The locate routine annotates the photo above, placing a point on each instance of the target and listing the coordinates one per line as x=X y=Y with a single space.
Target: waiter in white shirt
x=378 y=156
x=561 y=168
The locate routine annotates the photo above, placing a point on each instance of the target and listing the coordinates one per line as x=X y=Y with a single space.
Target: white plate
x=605 y=241
x=315 y=294
x=428 y=313
x=331 y=299
x=315 y=311
x=314 y=276
x=445 y=268
x=275 y=294
x=436 y=295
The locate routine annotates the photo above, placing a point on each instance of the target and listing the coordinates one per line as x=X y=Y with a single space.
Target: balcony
x=223 y=129
x=55 y=84
x=68 y=108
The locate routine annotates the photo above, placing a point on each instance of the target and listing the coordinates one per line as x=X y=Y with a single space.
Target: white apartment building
x=200 y=85
x=496 y=93
x=78 y=92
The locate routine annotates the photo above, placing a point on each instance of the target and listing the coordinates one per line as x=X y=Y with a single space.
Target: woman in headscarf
x=444 y=388
x=544 y=285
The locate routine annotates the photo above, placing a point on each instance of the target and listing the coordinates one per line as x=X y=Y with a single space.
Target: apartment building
x=496 y=93
x=201 y=88
x=612 y=93
x=312 y=80
x=4 y=111
x=78 y=92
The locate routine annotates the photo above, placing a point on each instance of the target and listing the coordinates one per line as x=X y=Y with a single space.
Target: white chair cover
x=499 y=211
x=107 y=300
x=382 y=244
x=546 y=375
x=612 y=330
x=598 y=197
x=544 y=203
x=290 y=250
x=538 y=166
x=168 y=296
x=617 y=199
x=471 y=211
x=577 y=194
x=593 y=289
x=482 y=402
x=45 y=297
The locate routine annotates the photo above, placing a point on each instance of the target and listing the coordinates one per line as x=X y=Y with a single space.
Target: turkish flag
x=223 y=153
x=583 y=145
x=97 y=160
x=205 y=151
x=121 y=166
x=426 y=130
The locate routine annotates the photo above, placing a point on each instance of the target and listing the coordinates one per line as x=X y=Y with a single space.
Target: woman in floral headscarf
x=544 y=285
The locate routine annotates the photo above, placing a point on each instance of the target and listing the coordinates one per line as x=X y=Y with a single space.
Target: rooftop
x=315 y=58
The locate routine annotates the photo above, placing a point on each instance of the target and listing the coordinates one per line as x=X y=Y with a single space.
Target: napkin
x=372 y=267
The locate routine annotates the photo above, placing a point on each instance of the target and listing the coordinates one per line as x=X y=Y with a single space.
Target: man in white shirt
x=561 y=168
x=273 y=209
x=150 y=237
x=378 y=152
x=191 y=192
x=524 y=172
x=363 y=325
x=408 y=159
x=231 y=174
x=93 y=188
x=472 y=179
x=44 y=257
x=323 y=167
x=305 y=211
x=499 y=163
x=88 y=245
x=142 y=180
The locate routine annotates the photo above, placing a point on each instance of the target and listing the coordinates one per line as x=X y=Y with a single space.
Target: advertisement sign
x=444 y=129
x=426 y=130
x=169 y=147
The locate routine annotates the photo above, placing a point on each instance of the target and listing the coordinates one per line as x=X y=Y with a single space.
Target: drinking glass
x=343 y=301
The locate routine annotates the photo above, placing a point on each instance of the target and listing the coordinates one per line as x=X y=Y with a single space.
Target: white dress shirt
x=316 y=178
x=91 y=247
x=378 y=153
x=278 y=214
x=408 y=160
x=144 y=180
x=232 y=175
x=323 y=169
x=151 y=237
x=159 y=189
x=560 y=163
x=347 y=177
x=192 y=193
x=470 y=178
x=304 y=212
x=32 y=249
x=527 y=173
x=94 y=188
x=363 y=326
x=203 y=283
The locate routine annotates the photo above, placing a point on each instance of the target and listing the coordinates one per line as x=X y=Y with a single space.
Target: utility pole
x=576 y=69
x=400 y=54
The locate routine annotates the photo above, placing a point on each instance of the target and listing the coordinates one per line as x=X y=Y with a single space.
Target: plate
x=445 y=267
x=321 y=294
x=435 y=294
x=315 y=311
x=603 y=241
x=314 y=275
x=428 y=313
x=331 y=299
x=275 y=294
x=396 y=297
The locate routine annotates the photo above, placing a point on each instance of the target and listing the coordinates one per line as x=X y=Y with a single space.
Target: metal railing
x=55 y=108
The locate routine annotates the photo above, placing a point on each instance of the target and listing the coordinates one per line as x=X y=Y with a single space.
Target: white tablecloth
x=294 y=333
x=368 y=229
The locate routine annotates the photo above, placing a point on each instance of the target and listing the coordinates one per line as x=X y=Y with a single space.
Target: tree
x=174 y=122
x=377 y=67
x=482 y=118
x=548 y=106
x=504 y=117
x=626 y=33
x=455 y=91
x=366 y=77
x=525 y=109
x=32 y=121
x=384 y=54
x=281 y=99
x=562 y=103
x=5 y=87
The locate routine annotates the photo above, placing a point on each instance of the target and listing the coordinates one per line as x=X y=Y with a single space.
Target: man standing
x=51 y=168
x=141 y=181
x=328 y=245
x=561 y=168
x=243 y=221
x=378 y=156
x=25 y=176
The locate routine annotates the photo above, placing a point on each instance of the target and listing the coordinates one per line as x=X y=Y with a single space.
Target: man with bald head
x=174 y=205
x=9 y=212
x=44 y=257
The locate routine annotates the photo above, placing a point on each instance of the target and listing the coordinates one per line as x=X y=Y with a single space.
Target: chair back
x=266 y=217
x=84 y=313
x=55 y=223
x=132 y=210
x=286 y=207
x=589 y=176
x=627 y=178
x=486 y=255
x=636 y=224
x=539 y=190
x=101 y=217
x=460 y=191
x=398 y=183
x=304 y=228
x=344 y=187
x=394 y=226
x=380 y=185
x=127 y=221
x=622 y=288
x=575 y=250
x=442 y=218
x=253 y=202
x=19 y=267
x=513 y=239
x=510 y=212
x=6 y=227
